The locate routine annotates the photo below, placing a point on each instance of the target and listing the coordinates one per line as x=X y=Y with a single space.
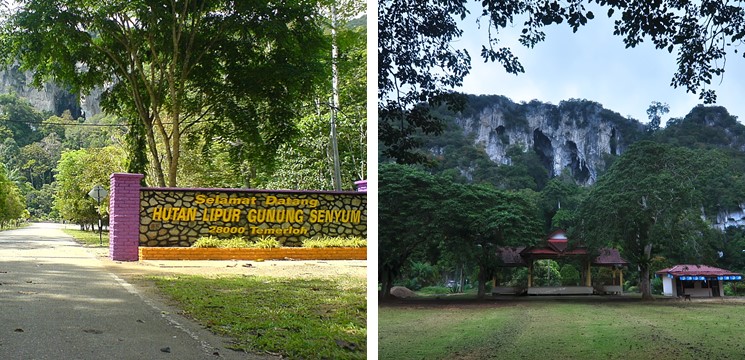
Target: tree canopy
x=240 y=67
x=651 y=202
x=78 y=172
x=420 y=212
x=419 y=64
x=12 y=205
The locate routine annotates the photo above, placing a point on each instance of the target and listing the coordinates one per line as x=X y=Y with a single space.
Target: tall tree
x=476 y=219
x=654 y=113
x=306 y=161
x=243 y=65
x=12 y=206
x=20 y=118
x=408 y=202
x=77 y=172
x=416 y=67
x=649 y=203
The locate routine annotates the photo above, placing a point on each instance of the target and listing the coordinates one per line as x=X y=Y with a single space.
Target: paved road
x=58 y=302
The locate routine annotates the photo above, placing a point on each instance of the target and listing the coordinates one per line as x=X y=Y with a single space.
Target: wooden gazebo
x=556 y=246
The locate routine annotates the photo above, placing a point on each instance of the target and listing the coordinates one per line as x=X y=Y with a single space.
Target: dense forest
x=239 y=118
x=441 y=220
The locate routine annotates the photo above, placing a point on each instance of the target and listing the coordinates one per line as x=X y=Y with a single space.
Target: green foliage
x=214 y=242
x=650 y=203
x=655 y=112
x=410 y=46
x=559 y=202
x=731 y=244
x=77 y=172
x=419 y=211
x=210 y=165
x=20 y=118
x=435 y=290
x=705 y=127
x=12 y=206
x=407 y=203
x=734 y=289
x=569 y=275
x=656 y=284
x=420 y=274
x=270 y=242
x=306 y=162
x=546 y=273
x=40 y=203
x=334 y=241
x=96 y=131
x=264 y=242
x=242 y=76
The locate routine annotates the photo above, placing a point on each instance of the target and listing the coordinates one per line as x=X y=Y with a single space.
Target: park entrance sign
x=173 y=217
x=177 y=217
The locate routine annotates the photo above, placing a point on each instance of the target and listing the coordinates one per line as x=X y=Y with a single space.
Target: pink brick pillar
x=124 y=217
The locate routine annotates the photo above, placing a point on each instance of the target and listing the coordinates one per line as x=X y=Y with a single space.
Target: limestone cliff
x=576 y=135
x=51 y=97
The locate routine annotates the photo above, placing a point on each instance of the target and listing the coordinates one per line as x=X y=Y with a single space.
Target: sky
x=593 y=64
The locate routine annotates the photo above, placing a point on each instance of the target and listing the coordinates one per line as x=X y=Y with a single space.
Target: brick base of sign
x=288 y=253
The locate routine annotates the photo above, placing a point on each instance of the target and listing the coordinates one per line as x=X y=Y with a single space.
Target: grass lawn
x=297 y=318
x=549 y=330
x=89 y=238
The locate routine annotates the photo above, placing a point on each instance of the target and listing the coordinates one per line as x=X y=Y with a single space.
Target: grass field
x=89 y=238
x=550 y=330
x=297 y=318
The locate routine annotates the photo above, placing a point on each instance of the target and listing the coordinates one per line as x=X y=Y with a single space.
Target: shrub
x=213 y=242
x=269 y=242
x=207 y=242
x=657 y=287
x=731 y=289
x=338 y=241
x=265 y=242
x=435 y=290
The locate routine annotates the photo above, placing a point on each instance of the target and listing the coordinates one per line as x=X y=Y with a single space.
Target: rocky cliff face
x=575 y=135
x=51 y=97
x=733 y=217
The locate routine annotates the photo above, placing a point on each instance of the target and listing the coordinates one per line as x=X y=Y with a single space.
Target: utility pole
x=335 y=100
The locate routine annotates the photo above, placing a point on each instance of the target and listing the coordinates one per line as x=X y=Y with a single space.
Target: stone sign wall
x=178 y=217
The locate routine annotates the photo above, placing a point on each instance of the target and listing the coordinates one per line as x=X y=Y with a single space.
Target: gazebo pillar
x=588 y=274
x=530 y=273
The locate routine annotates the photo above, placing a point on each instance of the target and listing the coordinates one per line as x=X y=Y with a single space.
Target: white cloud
x=593 y=64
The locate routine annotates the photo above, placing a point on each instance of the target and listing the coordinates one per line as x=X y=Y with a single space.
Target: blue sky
x=593 y=64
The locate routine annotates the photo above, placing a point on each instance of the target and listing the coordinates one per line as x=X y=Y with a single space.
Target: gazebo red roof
x=609 y=256
x=556 y=246
x=510 y=256
x=696 y=270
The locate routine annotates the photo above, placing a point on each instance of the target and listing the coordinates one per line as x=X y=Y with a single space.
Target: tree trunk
x=482 y=282
x=645 y=284
x=386 y=283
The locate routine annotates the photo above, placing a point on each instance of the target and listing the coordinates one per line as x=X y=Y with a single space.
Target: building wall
x=668 y=287
x=697 y=290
